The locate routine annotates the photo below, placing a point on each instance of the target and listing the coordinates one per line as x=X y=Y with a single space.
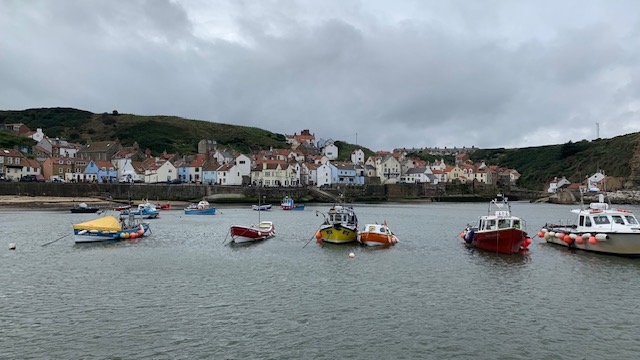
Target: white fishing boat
x=598 y=228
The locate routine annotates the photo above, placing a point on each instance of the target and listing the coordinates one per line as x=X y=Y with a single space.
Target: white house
x=243 y=162
x=593 y=180
x=324 y=174
x=229 y=174
x=330 y=151
x=159 y=171
x=556 y=184
x=357 y=156
x=309 y=174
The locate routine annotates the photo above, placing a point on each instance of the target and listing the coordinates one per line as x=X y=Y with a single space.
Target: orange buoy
x=462 y=235
x=579 y=240
x=133 y=235
x=540 y=234
x=318 y=235
x=140 y=232
x=593 y=240
x=568 y=239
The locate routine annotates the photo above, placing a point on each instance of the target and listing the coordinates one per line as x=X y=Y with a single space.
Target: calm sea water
x=181 y=293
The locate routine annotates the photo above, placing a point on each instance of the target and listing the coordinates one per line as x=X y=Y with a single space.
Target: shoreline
x=60 y=202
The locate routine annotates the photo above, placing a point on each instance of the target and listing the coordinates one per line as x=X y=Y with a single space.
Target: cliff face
x=563 y=197
x=633 y=181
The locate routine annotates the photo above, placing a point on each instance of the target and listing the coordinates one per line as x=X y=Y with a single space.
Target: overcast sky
x=482 y=73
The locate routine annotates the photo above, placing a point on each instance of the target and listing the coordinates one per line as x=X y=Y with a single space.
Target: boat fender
x=573 y=236
x=548 y=235
x=540 y=234
x=544 y=231
x=593 y=240
x=586 y=235
x=82 y=232
x=580 y=240
x=567 y=239
x=602 y=237
x=468 y=237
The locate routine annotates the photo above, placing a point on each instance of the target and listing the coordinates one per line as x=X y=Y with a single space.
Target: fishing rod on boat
x=51 y=242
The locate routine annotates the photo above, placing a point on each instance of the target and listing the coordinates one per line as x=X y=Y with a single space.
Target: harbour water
x=182 y=293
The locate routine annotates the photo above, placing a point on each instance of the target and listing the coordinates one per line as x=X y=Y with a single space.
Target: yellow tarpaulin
x=107 y=223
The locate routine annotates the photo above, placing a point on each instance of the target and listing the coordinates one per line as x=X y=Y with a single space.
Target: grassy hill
x=619 y=156
x=575 y=161
x=158 y=133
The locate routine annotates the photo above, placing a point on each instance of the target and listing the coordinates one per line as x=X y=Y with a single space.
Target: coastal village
x=307 y=162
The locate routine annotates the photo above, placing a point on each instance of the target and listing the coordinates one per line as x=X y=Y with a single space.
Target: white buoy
x=12 y=246
x=352 y=255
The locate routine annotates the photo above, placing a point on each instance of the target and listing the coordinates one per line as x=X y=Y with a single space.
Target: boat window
x=587 y=221
x=617 y=219
x=503 y=224
x=516 y=224
x=491 y=224
x=631 y=219
x=601 y=219
x=581 y=222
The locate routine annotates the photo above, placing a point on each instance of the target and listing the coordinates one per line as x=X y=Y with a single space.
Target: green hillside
x=539 y=165
x=158 y=133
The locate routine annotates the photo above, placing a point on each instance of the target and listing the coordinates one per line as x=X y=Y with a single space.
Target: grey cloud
x=439 y=74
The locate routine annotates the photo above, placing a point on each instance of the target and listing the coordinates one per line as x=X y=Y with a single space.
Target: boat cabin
x=497 y=223
x=621 y=219
x=340 y=215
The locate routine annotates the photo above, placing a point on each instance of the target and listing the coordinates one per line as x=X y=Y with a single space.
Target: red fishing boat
x=498 y=231
x=261 y=231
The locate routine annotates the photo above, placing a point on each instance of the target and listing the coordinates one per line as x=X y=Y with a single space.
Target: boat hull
x=244 y=234
x=144 y=214
x=88 y=210
x=293 y=207
x=210 y=211
x=94 y=236
x=622 y=244
x=377 y=239
x=505 y=241
x=261 y=207
x=338 y=234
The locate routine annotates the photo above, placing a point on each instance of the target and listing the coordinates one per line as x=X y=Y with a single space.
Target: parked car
x=175 y=181
x=32 y=178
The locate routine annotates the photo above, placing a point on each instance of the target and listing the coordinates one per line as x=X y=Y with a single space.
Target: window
x=60 y=170
x=587 y=222
x=503 y=224
x=17 y=161
x=9 y=160
x=631 y=219
x=617 y=219
x=1 y=159
x=601 y=220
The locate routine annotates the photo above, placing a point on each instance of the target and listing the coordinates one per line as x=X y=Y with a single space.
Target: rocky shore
x=622 y=197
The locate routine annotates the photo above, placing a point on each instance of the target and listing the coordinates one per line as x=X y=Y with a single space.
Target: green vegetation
x=345 y=150
x=575 y=161
x=537 y=165
x=448 y=159
x=158 y=133
x=9 y=140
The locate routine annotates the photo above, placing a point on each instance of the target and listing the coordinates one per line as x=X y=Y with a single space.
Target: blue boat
x=287 y=204
x=201 y=208
x=108 y=228
x=146 y=210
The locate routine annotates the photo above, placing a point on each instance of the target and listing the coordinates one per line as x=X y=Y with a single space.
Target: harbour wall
x=218 y=193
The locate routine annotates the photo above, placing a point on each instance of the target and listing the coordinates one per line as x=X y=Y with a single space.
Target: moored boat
x=288 y=204
x=598 y=228
x=266 y=207
x=83 y=208
x=201 y=208
x=261 y=231
x=108 y=228
x=145 y=210
x=377 y=235
x=498 y=231
x=340 y=226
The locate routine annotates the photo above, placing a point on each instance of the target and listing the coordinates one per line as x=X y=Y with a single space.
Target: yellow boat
x=340 y=226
